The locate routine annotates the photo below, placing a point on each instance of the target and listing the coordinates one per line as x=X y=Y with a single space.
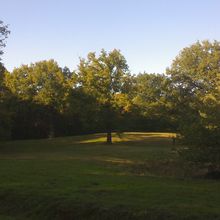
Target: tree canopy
x=195 y=81
x=108 y=80
x=4 y=32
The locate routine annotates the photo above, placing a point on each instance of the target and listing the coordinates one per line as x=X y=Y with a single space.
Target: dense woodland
x=42 y=99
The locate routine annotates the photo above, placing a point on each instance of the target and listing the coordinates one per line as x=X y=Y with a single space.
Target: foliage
x=150 y=100
x=5 y=111
x=107 y=79
x=4 y=32
x=42 y=82
x=195 y=82
x=5 y=117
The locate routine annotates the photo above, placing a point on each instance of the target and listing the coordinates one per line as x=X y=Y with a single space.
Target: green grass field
x=138 y=177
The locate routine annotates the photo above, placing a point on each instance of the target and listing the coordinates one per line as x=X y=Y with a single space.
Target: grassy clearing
x=81 y=177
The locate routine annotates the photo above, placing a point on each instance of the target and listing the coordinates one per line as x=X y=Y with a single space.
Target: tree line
x=42 y=99
x=45 y=100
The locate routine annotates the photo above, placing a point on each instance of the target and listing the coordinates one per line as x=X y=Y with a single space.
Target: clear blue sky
x=150 y=33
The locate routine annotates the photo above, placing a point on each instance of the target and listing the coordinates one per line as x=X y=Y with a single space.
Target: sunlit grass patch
x=127 y=136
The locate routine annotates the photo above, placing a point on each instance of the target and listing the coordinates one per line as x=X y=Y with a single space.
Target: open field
x=138 y=177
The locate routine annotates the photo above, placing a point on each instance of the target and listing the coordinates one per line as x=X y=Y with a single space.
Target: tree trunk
x=109 y=137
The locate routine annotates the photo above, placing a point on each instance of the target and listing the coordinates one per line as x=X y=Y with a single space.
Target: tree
x=150 y=99
x=5 y=116
x=195 y=87
x=42 y=83
x=4 y=32
x=107 y=79
x=5 y=111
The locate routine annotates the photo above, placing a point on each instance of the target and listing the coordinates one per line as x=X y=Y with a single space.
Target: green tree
x=149 y=93
x=42 y=83
x=107 y=79
x=4 y=32
x=5 y=116
x=150 y=100
x=5 y=111
x=195 y=90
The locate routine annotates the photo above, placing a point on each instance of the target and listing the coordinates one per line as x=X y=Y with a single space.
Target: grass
x=81 y=177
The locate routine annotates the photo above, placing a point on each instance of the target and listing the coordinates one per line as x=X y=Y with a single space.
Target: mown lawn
x=138 y=177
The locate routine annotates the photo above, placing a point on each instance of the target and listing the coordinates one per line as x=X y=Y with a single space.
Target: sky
x=149 y=33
